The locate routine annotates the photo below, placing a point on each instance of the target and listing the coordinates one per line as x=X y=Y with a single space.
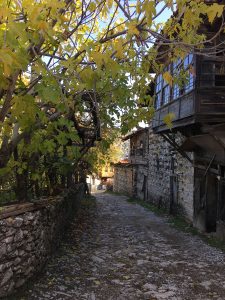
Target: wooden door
x=173 y=192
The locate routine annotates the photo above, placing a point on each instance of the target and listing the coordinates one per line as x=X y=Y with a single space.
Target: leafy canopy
x=52 y=51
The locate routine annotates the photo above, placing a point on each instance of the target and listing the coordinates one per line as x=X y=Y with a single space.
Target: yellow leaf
x=138 y=7
x=110 y=3
x=114 y=67
x=35 y=13
x=63 y=18
x=170 y=3
x=214 y=11
x=92 y=6
x=98 y=58
x=4 y=12
x=42 y=25
x=7 y=61
x=132 y=29
x=101 y=58
x=119 y=48
x=6 y=69
x=150 y=10
x=168 y=78
x=168 y=119
x=192 y=70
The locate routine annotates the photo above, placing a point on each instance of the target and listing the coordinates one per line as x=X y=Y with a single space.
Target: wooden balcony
x=204 y=104
x=183 y=109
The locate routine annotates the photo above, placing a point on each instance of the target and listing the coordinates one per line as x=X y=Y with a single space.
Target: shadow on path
x=118 y=250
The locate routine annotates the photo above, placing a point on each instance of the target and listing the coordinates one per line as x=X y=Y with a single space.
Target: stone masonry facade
x=123 y=179
x=160 y=175
x=27 y=239
x=167 y=169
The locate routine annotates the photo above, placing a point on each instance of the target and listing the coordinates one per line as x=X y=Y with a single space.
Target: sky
x=165 y=15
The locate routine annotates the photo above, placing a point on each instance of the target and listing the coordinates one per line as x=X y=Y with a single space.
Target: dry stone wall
x=27 y=240
x=123 y=179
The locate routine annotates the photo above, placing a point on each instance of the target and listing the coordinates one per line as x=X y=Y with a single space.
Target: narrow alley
x=120 y=250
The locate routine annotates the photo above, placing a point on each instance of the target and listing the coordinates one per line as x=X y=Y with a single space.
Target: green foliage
x=158 y=210
x=52 y=52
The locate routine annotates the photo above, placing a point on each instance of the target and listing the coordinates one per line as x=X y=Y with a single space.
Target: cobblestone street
x=120 y=250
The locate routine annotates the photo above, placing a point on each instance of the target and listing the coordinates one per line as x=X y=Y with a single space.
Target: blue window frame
x=176 y=91
x=159 y=81
x=166 y=94
x=163 y=89
x=188 y=65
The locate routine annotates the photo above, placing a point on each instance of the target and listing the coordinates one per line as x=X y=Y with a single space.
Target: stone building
x=123 y=179
x=106 y=175
x=130 y=178
x=185 y=169
x=170 y=181
x=186 y=163
x=156 y=173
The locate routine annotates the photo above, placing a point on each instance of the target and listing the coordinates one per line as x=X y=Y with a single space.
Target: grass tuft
x=157 y=210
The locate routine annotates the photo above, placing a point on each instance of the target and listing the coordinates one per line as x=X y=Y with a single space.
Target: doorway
x=205 y=201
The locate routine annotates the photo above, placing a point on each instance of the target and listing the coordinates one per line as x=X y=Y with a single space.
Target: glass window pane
x=158 y=83
x=176 y=91
x=165 y=82
x=190 y=83
x=166 y=95
x=158 y=101
x=186 y=62
x=157 y=80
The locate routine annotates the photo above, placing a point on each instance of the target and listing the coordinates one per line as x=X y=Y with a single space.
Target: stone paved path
x=126 y=252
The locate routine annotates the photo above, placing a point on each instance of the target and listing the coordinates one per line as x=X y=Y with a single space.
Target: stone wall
x=27 y=239
x=159 y=176
x=123 y=179
x=168 y=168
x=140 y=182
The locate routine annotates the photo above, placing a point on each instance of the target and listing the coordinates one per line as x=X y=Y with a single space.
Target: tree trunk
x=21 y=181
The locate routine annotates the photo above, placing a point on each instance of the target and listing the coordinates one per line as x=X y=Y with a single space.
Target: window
x=188 y=84
x=207 y=74
x=212 y=74
x=166 y=95
x=219 y=74
x=158 y=100
x=166 y=89
x=176 y=91
x=182 y=68
x=177 y=65
x=188 y=65
x=159 y=80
